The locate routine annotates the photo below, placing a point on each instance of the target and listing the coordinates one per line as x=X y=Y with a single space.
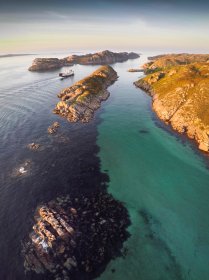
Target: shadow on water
x=61 y=167
x=143 y=131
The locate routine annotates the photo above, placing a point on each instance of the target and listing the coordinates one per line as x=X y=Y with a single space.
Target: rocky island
x=99 y=58
x=180 y=91
x=79 y=101
x=43 y=64
x=75 y=237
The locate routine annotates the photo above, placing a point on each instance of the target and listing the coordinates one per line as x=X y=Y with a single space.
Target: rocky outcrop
x=181 y=98
x=43 y=64
x=75 y=237
x=160 y=62
x=100 y=58
x=79 y=101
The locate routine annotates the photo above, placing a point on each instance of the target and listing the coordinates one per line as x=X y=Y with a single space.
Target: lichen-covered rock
x=181 y=98
x=79 y=101
x=75 y=237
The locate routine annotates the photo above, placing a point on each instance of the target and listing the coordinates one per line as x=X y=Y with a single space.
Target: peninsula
x=179 y=86
x=99 y=58
x=160 y=62
x=79 y=101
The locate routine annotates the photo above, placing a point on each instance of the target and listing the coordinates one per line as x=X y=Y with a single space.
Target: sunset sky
x=41 y=25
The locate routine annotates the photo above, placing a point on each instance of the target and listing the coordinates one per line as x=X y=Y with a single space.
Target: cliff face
x=160 y=62
x=79 y=101
x=105 y=57
x=181 y=98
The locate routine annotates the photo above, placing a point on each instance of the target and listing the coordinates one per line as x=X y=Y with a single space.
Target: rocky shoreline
x=75 y=237
x=100 y=58
x=79 y=101
x=181 y=98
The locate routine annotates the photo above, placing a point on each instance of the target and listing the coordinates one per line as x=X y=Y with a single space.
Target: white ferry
x=67 y=73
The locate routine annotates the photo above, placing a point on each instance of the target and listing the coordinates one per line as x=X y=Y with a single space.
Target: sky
x=58 y=25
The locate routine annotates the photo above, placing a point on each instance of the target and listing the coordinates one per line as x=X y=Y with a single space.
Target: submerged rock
x=34 y=146
x=23 y=169
x=79 y=101
x=75 y=237
x=52 y=129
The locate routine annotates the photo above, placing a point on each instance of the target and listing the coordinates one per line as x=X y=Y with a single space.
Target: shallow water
x=164 y=183
x=161 y=178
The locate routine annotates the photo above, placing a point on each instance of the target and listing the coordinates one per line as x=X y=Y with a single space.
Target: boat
x=67 y=73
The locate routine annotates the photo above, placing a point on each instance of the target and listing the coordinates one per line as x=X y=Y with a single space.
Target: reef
x=181 y=97
x=79 y=101
x=99 y=58
x=75 y=237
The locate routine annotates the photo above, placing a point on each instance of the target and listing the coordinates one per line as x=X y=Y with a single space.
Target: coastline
x=179 y=101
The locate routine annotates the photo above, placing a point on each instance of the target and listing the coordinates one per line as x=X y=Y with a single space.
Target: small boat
x=66 y=74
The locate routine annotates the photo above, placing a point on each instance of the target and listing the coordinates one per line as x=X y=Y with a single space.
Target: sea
x=160 y=176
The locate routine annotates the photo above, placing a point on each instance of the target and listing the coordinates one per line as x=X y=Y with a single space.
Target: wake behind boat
x=67 y=73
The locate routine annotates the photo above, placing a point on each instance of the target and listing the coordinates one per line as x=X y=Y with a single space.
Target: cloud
x=117 y=23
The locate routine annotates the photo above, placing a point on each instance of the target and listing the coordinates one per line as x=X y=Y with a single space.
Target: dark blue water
x=66 y=162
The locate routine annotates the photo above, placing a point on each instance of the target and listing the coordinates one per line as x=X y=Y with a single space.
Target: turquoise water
x=163 y=183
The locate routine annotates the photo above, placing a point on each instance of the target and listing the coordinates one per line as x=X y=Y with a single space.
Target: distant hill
x=160 y=62
x=99 y=58
x=15 y=54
